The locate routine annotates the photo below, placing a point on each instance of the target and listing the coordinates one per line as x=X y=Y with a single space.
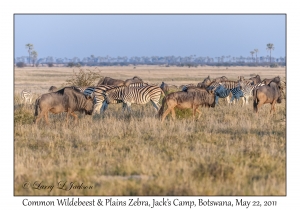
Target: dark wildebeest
x=186 y=100
x=205 y=83
x=65 y=100
x=110 y=81
x=267 y=81
x=197 y=89
x=52 y=89
x=164 y=87
x=270 y=93
x=135 y=79
x=256 y=79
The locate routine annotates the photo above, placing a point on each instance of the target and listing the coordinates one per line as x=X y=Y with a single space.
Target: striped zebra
x=136 y=95
x=97 y=93
x=225 y=88
x=247 y=88
x=26 y=96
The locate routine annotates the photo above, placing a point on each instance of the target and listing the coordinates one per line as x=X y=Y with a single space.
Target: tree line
x=192 y=60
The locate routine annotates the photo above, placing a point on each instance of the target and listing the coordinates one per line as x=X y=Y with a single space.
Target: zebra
x=26 y=95
x=136 y=95
x=223 y=90
x=247 y=88
x=97 y=93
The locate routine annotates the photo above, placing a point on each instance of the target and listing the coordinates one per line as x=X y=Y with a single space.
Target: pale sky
x=149 y=35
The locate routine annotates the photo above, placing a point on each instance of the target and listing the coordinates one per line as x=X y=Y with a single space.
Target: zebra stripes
x=97 y=93
x=136 y=95
x=224 y=88
x=247 y=88
x=26 y=96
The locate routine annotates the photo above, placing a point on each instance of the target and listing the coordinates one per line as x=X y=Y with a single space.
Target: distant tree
x=252 y=52
x=20 y=64
x=29 y=47
x=256 y=51
x=34 y=56
x=270 y=47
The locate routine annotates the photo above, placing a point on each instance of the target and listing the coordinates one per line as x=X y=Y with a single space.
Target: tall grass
x=229 y=151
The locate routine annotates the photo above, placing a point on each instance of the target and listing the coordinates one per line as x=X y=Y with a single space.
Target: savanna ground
x=229 y=151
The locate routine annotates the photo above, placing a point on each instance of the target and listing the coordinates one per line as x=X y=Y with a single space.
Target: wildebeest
x=135 y=79
x=186 y=100
x=52 y=89
x=197 y=89
x=65 y=100
x=205 y=82
x=267 y=81
x=110 y=81
x=270 y=93
x=256 y=79
x=185 y=87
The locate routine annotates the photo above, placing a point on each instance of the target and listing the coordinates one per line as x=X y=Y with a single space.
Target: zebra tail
x=255 y=100
x=36 y=106
x=161 y=110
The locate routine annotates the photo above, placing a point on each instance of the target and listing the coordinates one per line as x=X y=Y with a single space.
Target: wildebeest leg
x=173 y=114
x=273 y=107
x=46 y=118
x=258 y=106
x=75 y=116
x=199 y=113
x=41 y=114
x=166 y=113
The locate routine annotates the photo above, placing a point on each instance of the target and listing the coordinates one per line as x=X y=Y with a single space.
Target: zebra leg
x=102 y=109
x=128 y=106
x=216 y=100
x=156 y=105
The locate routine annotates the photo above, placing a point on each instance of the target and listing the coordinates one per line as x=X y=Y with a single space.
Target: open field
x=229 y=151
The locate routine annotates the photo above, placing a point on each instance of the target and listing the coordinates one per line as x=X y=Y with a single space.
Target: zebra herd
x=142 y=93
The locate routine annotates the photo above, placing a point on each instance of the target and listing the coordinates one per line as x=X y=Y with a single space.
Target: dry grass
x=230 y=151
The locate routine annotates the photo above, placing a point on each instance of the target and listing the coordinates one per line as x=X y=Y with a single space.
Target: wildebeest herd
x=92 y=100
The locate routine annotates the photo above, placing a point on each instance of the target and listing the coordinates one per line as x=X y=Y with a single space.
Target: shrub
x=50 y=64
x=20 y=64
x=84 y=78
x=70 y=64
x=274 y=65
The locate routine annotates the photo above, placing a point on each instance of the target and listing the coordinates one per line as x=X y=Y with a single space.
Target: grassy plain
x=229 y=151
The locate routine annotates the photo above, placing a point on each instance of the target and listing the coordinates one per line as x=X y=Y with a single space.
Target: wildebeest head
x=205 y=82
x=256 y=79
x=211 y=98
x=89 y=105
x=52 y=89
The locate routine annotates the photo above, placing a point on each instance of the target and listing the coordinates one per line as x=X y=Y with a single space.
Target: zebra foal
x=26 y=96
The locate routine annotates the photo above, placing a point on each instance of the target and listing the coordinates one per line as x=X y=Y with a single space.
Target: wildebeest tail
x=161 y=110
x=255 y=100
x=36 y=106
